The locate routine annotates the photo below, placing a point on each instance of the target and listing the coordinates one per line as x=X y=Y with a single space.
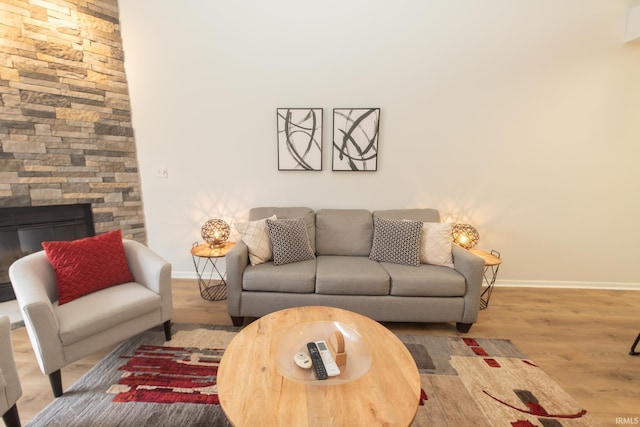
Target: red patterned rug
x=162 y=374
x=465 y=382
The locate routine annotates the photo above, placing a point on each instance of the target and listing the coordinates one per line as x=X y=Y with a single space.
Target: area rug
x=465 y=382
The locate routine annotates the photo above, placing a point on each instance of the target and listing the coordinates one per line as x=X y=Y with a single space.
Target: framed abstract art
x=299 y=139
x=355 y=139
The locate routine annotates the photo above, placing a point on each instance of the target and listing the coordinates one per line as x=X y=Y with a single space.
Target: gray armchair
x=63 y=334
x=10 y=390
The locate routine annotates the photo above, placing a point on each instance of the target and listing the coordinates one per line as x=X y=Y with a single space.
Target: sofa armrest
x=472 y=268
x=236 y=261
x=152 y=271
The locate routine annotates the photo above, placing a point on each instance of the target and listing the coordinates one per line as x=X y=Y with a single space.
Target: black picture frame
x=299 y=139
x=355 y=139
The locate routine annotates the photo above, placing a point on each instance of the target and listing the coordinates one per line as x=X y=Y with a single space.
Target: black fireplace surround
x=23 y=229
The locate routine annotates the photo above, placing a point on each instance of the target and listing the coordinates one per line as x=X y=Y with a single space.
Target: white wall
x=520 y=117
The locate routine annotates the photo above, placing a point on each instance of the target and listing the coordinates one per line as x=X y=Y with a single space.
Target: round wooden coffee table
x=253 y=392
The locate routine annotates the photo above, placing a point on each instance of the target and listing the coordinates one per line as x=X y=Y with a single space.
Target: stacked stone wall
x=65 y=115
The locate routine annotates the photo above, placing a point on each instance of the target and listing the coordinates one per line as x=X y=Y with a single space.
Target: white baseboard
x=183 y=275
x=617 y=286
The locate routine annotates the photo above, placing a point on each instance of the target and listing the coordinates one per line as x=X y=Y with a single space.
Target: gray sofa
x=342 y=274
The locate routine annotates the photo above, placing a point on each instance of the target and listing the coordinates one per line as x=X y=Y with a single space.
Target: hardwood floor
x=581 y=338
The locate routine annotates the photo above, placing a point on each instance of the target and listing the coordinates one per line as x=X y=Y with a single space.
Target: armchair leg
x=167 y=330
x=55 y=378
x=237 y=320
x=633 y=351
x=11 y=417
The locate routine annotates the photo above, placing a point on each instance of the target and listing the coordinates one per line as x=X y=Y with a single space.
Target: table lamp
x=465 y=235
x=215 y=232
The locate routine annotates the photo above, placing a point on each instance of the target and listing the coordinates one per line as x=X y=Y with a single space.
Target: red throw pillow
x=88 y=265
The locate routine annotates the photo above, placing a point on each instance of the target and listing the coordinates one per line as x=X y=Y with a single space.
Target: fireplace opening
x=23 y=229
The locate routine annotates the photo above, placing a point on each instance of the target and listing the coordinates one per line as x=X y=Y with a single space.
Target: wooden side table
x=213 y=286
x=492 y=263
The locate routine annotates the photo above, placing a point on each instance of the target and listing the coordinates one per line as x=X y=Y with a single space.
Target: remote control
x=316 y=360
x=329 y=364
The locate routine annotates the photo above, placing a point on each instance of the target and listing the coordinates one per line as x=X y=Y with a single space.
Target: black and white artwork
x=355 y=139
x=299 y=139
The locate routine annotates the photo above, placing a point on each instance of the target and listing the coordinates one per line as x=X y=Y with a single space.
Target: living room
x=514 y=118
x=519 y=118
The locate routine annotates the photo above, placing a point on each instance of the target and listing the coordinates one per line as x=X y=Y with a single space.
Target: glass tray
x=295 y=341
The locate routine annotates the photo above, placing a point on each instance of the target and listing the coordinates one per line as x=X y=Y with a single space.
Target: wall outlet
x=162 y=172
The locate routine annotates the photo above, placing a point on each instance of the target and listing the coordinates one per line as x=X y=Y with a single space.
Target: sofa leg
x=167 y=330
x=55 y=378
x=237 y=320
x=463 y=327
x=11 y=417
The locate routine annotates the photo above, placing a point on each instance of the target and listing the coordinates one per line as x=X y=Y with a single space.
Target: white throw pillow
x=435 y=244
x=255 y=235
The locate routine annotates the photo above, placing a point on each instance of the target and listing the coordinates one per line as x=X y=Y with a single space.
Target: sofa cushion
x=421 y=214
x=436 y=243
x=289 y=213
x=289 y=241
x=88 y=265
x=424 y=281
x=255 y=235
x=107 y=308
x=299 y=277
x=344 y=232
x=396 y=241
x=346 y=275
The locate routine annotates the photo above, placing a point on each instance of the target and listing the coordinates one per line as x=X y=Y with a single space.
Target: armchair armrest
x=472 y=268
x=34 y=283
x=150 y=270
x=236 y=261
x=10 y=390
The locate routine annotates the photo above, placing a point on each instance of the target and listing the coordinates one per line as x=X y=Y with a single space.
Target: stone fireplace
x=22 y=231
x=65 y=116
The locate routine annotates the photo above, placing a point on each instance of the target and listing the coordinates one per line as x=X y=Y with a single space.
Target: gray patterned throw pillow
x=290 y=241
x=396 y=241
